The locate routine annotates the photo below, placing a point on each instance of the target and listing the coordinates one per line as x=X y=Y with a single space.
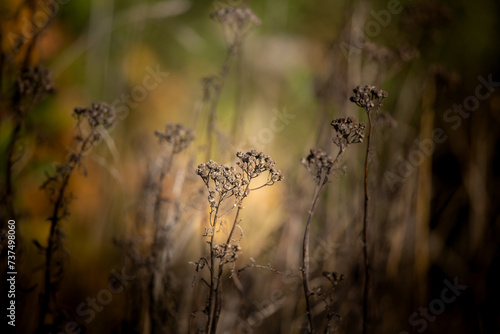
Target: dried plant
x=237 y=23
x=370 y=99
x=326 y=295
x=98 y=116
x=32 y=85
x=174 y=140
x=227 y=188
x=320 y=165
x=154 y=306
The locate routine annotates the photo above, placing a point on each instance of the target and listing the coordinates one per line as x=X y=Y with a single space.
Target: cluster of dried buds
x=226 y=252
x=236 y=22
x=319 y=164
x=368 y=97
x=98 y=114
x=177 y=135
x=35 y=83
x=224 y=181
x=347 y=131
x=236 y=18
x=254 y=163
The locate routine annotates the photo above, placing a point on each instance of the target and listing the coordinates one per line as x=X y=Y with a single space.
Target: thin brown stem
x=365 y=223
x=213 y=284
x=305 y=257
x=159 y=236
x=218 y=85
x=54 y=219
x=217 y=289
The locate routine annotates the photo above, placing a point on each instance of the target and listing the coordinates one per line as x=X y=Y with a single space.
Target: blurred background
x=434 y=177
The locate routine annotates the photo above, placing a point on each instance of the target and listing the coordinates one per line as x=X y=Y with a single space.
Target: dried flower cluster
x=98 y=114
x=237 y=23
x=35 y=83
x=368 y=97
x=226 y=181
x=319 y=164
x=236 y=18
x=56 y=186
x=227 y=253
x=348 y=131
x=176 y=135
x=254 y=163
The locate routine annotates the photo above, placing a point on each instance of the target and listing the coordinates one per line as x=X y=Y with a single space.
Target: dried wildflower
x=254 y=163
x=56 y=188
x=226 y=252
x=35 y=83
x=237 y=23
x=348 y=131
x=236 y=18
x=319 y=164
x=222 y=182
x=98 y=114
x=368 y=97
x=176 y=135
x=227 y=183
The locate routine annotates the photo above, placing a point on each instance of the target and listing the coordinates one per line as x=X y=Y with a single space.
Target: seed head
x=348 y=131
x=98 y=114
x=176 y=135
x=368 y=97
x=319 y=164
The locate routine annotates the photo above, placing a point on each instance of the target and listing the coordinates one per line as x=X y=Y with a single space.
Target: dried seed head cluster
x=98 y=114
x=236 y=18
x=236 y=23
x=176 y=135
x=368 y=97
x=226 y=252
x=254 y=163
x=348 y=131
x=35 y=83
x=224 y=182
x=319 y=164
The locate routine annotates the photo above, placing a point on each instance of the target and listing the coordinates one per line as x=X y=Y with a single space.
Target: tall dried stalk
x=237 y=23
x=98 y=116
x=370 y=99
x=320 y=165
x=227 y=189
x=176 y=139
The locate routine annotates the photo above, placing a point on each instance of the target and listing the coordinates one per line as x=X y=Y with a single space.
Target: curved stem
x=305 y=258
x=54 y=219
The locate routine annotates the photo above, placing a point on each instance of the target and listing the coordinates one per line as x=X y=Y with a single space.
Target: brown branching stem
x=54 y=220
x=215 y=301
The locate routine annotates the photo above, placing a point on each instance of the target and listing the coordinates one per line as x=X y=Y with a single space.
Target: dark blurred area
x=434 y=214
